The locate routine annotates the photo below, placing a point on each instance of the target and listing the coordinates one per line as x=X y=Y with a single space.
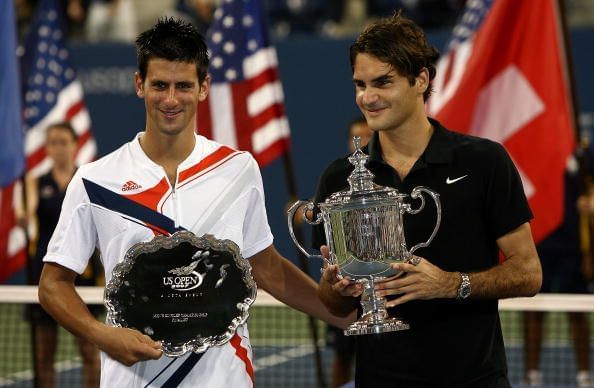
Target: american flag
x=504 y=77
x=12 y=239
x=245 y=107
x=52 y=94
x=51 y=91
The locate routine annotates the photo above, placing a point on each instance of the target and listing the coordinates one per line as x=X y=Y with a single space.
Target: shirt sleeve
x=506 y=204
x=256 y=231
x=75 y=236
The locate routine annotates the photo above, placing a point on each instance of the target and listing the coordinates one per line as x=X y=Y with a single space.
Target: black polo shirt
x=450 y=343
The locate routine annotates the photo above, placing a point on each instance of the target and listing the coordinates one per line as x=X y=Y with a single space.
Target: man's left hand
x=421 y=281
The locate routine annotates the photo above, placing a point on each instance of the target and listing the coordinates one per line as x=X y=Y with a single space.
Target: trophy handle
x=291 y=214
x=417 y=193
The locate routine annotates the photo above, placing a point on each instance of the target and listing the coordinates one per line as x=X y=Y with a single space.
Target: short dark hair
x=173 y=40
x=65 y=125
x=401 y=43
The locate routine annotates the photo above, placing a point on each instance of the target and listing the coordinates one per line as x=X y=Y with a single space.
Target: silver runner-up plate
x=186 y=291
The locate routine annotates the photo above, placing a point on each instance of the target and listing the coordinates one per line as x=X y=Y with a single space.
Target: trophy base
x=387 y=325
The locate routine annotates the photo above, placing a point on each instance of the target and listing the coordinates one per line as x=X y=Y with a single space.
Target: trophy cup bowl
x=364 y=231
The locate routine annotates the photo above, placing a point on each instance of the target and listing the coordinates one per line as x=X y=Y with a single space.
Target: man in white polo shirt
x=167 y=179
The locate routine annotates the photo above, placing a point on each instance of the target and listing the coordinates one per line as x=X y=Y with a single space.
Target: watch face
x=465 y=290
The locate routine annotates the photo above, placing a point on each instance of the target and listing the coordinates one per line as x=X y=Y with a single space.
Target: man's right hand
x=128 y=346
x=58 y=297
x=338 y=294
x=343 y=286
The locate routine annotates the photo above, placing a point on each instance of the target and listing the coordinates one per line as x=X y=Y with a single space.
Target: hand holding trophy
x=365 y=233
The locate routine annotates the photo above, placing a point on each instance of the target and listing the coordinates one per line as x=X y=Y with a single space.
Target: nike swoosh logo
x=450 y=181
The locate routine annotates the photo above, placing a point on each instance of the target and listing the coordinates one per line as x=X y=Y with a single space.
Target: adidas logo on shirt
x=130 y=185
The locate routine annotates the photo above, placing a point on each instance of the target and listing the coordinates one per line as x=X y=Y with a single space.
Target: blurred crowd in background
x=121 y=20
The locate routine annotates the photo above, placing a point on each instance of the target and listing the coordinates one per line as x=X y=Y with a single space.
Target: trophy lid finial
x=362 y=189
x=357 y=142
x=361 y=178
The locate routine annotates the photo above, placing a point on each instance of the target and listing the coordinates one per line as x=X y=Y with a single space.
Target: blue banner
x=12 y=159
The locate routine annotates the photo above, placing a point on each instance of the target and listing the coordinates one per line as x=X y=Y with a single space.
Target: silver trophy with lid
x=365 y=233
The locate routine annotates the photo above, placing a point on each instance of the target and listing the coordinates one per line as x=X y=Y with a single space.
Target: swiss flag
x=504 y=78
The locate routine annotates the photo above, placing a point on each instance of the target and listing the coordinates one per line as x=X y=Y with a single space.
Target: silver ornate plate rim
x=207 y=241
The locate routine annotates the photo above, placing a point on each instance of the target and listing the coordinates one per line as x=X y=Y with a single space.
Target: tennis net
x=284 y=355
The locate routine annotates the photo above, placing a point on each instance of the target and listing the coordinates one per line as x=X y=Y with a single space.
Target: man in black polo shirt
x=450 y=296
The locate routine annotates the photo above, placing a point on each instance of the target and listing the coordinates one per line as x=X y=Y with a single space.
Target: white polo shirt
x=218 y=191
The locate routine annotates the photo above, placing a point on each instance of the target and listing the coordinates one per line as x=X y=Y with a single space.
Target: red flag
x=504 y=78
x=12 y=237
x=245 y=107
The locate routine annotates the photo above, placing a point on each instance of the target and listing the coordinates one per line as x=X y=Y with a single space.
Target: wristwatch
x=464 y=289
